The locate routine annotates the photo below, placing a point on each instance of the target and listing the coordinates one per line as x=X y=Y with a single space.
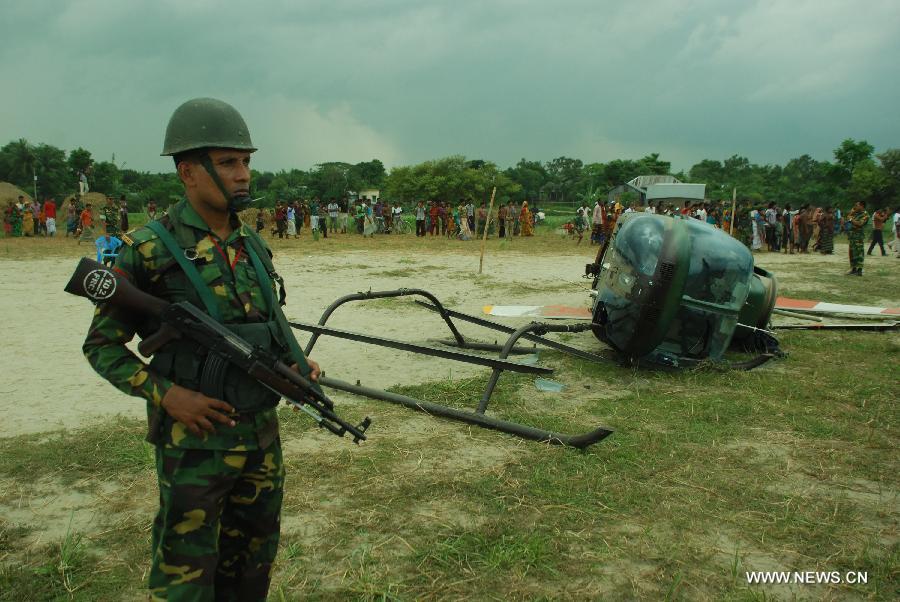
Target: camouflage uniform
x=111 y=217
x=858 y=220
x=216 y=533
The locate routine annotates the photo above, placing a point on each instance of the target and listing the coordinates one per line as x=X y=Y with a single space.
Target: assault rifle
x=182 y=319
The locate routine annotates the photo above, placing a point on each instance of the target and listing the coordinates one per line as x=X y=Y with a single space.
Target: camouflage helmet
x=206 y=123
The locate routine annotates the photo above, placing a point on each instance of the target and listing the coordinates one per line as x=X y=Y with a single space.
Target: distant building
x=655 y=188
x=371 y=193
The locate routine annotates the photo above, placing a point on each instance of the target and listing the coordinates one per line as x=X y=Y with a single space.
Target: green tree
x=850 y=154
x=450 y=179
x=652 y=165
x=52 y=171
x=869 y=183
x=620 y=171
x=368 y=174
x=890 y=166
x=17 y=163
x=332 y=179
x=531 y=176
x=105 y=178
x=566 y=178
x=79 y=160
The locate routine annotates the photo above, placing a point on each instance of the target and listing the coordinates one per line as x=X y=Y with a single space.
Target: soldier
x=111 y=217
x=218 y=461
x=858 y=219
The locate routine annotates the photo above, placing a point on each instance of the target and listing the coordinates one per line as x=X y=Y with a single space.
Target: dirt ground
x=58 y=389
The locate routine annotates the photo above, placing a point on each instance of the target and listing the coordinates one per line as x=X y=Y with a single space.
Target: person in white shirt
x=291 y=221
x=895 y=230
x=596 y=223
x=333 y=210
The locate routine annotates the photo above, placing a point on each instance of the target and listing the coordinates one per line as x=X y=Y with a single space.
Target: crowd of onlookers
x=24 y=218
x=368 y=217
x=771 y=227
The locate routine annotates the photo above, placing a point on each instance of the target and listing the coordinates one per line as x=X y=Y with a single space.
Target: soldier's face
x=233 y=168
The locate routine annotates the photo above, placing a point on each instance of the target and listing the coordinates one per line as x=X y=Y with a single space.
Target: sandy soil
x=46 y=384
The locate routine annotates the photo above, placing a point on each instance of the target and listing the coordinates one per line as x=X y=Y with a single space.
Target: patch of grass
x=116 y=449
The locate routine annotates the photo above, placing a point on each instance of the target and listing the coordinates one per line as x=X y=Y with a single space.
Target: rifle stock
x=101 y=285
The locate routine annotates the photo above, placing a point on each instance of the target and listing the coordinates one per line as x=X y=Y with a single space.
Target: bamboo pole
x=487 y=222
x=733 y=209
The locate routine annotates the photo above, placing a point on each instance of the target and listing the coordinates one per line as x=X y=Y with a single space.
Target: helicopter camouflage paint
x=673 y=291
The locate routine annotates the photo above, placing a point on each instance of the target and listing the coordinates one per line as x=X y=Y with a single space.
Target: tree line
x=856 y=173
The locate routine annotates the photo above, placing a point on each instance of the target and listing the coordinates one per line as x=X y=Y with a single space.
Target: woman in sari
x=756 y=224
x=27 y=222
x=525 y=219
x=826 y=232
x=465 y=233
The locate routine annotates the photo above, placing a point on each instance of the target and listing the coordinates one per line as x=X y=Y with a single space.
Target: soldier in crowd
x=111 y=217
x=858 y=218
x=218 y=461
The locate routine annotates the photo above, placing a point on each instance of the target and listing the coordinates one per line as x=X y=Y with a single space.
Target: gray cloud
x=409 y=81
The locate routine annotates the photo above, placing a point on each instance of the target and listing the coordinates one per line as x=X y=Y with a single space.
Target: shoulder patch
x=139 y=235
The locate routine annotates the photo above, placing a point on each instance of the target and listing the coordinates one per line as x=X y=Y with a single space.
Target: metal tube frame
x=532 y=331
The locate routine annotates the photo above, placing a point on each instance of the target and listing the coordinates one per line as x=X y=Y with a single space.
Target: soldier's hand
x=314 y=369
x=313 y=375
x=195 y=410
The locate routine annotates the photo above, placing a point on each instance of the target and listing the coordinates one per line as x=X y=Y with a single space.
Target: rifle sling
x=266 y=275
x=188 y=268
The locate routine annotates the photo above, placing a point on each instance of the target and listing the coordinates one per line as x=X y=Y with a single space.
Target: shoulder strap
x=187 y=266
x=266 y=273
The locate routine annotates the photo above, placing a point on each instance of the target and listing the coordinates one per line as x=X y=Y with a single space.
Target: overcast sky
x=407 y=81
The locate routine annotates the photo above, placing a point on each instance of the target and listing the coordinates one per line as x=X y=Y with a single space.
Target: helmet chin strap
x=235 y=203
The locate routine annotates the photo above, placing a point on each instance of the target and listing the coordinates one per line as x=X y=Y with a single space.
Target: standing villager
x=857 y=219
x=510 y=219
x=27 y=222
x=151 y=210
x=7 y=219
x=826 y=231
x=17 y=217
x=501 y=221
x=50 y=216
x=314 y=214
x=291 y=220
x=86 y=224
x=757 y=224
x=71 y=218
x=333 y=211
x=878 y=219
x=580 y=223
x=218 y=461
x=434 y=215
x=260 y=223
x=816 y=218
x=420 y=219
x=453 y=223
x=525 y=218
x=123 y=215
x=323 y=219
x=597 y=222
x=895 y=231
x=480 y=220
